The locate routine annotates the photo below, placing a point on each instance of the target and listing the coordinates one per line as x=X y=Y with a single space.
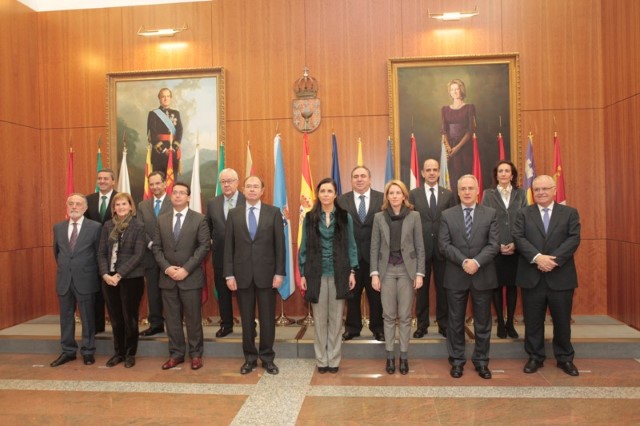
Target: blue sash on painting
x=166 y=120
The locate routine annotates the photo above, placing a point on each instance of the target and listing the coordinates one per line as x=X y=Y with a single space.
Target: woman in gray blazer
x=397 y=267
x=507 y=199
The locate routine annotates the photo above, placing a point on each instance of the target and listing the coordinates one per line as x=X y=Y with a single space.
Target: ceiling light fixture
x=453 y=16
x=161 y=32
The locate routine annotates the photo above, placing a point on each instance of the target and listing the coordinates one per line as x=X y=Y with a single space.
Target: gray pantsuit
x=397 y=300
x=327 y=318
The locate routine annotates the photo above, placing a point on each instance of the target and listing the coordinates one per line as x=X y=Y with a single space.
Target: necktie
x=229 y=207
x=468 y=223
x=362 y=209
x=253 y=223
x=545 y=219
x=156 y=209
x=74 y=236
x=432 y=200
x=177 y=226
x=103 y=207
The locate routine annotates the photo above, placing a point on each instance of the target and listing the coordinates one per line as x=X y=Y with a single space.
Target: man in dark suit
x=180 y=244
x=547 y=235
x=164 y=130
x=99 y=210
x=254 y=266
x=148 y=212
x=469 y=241
x=430 y=201
x=217 y=211
x=75 y=247
x=362 y=203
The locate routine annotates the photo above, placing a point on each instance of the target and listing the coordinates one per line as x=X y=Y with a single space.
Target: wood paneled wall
x=621 y=60
x=264 y=46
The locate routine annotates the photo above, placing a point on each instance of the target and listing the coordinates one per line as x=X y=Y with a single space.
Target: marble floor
x=607 y=392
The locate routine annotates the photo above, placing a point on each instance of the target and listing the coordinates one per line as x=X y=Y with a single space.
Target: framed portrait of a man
x=446 y=102
x=161 y=118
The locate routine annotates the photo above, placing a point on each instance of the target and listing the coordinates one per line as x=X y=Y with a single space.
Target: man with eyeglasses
x=547 y=235
x=217 y=211
x=180 y=244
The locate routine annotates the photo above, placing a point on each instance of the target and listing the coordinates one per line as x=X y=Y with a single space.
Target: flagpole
x=283 y=320
x=308 y=320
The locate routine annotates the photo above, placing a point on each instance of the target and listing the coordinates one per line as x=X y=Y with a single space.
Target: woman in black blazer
x=507 y=199
x=122 y=249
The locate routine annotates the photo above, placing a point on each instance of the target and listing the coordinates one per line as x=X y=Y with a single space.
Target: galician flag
x=444 y=169
x=280 y=201
x=123 y=179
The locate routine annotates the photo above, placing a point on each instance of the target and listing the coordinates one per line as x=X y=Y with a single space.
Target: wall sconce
x=453 y=16
x=161 y=32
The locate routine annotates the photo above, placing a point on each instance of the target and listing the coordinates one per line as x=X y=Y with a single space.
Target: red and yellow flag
x=414 y=173
x=477 y=168
x=500 y=147
x=307 y=197
x=148 y=168
x=558 y=175
x=170 y=175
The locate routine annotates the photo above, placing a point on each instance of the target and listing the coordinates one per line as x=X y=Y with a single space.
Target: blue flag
x=529 y=170
x=335 y=165
x=388 y=171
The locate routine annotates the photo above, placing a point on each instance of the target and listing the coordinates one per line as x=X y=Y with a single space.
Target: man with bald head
x=547 y=235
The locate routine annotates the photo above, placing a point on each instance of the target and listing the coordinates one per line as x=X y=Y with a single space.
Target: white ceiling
x=50 y=5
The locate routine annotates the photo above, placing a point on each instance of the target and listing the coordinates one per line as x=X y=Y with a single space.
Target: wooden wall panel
x=591 y=262
x=623 y=281
x=348 y=44
x=560 y=50
x=19 y=65
x=423 y=36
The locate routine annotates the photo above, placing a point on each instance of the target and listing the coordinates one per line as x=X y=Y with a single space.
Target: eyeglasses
x=180 y=192
x=228 y=181
x=547 y=189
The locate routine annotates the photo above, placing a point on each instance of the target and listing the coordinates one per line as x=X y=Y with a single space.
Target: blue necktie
x=177 y=226
x=362 y=209
x=156 y=209
x=468 y=223
x=253 y=223
x=545 y=219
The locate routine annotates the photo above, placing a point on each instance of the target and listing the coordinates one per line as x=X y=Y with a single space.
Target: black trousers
x=123 y=302
x=353 y=323
x=154 y=297
x=422 y=295
x=225 y=301
x=266 y=299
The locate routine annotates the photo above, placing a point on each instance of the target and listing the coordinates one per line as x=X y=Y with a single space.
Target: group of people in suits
x=383 y=243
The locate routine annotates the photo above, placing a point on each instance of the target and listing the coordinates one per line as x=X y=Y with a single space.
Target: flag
x=414 y=175
x=360 y=160
x=558 y=176
x=529 y=170
x=444 y=170
x=500 y=147
x=220 y=168
x=280 y=201
x=307 y=196
x=249 y=170
x=388 y=170
x=70 y=188
x=99 y=160
x=148 y=168
x=335 y=164
x=195 y=203
x=477 y=168
x=123 y=179
x=170 y=176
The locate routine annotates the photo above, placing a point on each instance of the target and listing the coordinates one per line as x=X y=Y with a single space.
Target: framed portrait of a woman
x=444 y=101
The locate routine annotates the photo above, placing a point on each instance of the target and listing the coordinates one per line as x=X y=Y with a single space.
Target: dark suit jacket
x=431 y=220
x=411 y=245
x=482 y=246
x=79 y=265
x=362 y=230
x=131 y=250
x=561 y=240
x=258 y=260
x=147 y=215
x=93 y=207
x=188 y=252
x=506 y=216
x=217 y=222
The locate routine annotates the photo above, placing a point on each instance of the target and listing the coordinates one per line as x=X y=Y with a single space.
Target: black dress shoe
x=151 y=331
x=62 y=359
x=483 y=371
x=348 y=336
x=88 y=359
x=443 y=332
x=456 y=371
x=511 y=331
x=391 y=366
x=224 y=332
x=323 y=370
x=248 y=367
x=532 y=366
x=379 y=336
x=568 y=368
x=129 y=361
x=273 y=369
x=420 y=333
x=502 y=331
x=404 y=366
x=333 y=370
x=114 y=360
